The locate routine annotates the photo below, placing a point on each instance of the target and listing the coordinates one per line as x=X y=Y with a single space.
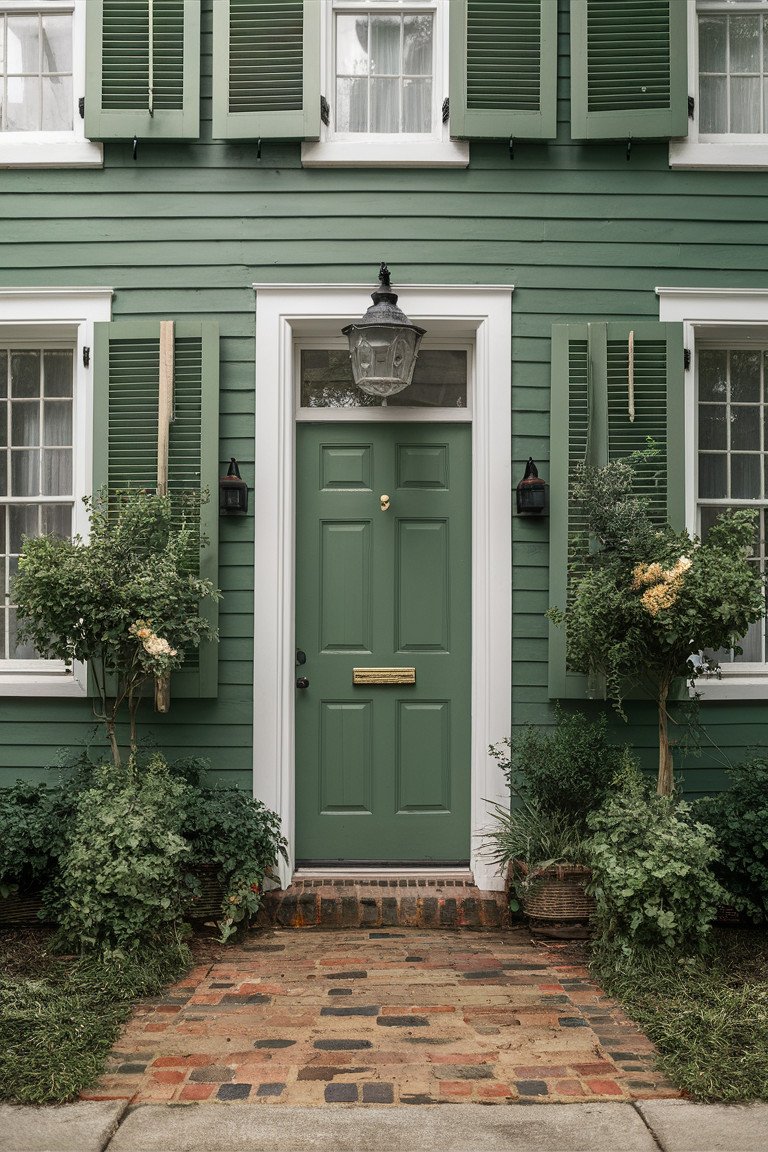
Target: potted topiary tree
x=650 y=605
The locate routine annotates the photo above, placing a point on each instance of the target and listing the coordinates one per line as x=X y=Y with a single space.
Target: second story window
x=733 y=68
x=36 y=64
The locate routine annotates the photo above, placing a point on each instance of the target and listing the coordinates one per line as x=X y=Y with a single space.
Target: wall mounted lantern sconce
x=531 y=492
x=233 y=492
x=383 y=345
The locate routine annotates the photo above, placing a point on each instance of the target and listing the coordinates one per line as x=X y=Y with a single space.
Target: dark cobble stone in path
x=341 y=1094
x=363 y=1010
x=274 y=1043
x=403 y=1021
x=234 y=1091
x=342 y=1045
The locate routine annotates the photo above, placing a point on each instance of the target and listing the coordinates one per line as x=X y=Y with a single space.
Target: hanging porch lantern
x=383 y=345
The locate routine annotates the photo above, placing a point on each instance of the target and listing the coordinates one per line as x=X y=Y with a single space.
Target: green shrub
x=241 y=837
x=740 y=820
x=652 y=872
x=120 y=875
x=24 y=847
x=566 y=770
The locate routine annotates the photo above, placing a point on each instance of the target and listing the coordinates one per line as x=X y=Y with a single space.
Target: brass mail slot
x=383 y=675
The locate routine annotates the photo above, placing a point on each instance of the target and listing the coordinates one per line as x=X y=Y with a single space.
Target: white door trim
x=283 y=313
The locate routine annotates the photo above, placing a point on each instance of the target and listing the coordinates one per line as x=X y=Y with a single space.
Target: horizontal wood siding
x=183 y=232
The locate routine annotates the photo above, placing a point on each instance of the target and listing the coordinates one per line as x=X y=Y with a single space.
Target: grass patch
x=60 y=1015
x=708 y=1017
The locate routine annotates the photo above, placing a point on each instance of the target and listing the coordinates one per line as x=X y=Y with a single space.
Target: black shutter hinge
x=446 y=110
x=325 y=111
x=86 y=356
x=81 y=107
x=691 y=107
x=686 y=358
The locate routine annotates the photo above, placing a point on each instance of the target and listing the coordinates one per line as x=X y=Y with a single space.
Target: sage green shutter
x=591 y=422
x=126 y=376
x=143 y=69
x=503 y=68
x=266 y=69
x=629 y=69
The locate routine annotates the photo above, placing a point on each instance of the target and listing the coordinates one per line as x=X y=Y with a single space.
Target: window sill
x=52 y=684
x=49 y=153
x=429 y=153
x=732 y=688
x=693 y=153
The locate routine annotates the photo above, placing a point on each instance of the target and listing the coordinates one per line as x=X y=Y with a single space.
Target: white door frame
x=283 y=313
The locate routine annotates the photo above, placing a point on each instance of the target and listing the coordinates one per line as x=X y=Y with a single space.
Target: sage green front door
x=383 y=593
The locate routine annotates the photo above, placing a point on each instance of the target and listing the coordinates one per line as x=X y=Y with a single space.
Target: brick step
x=381 y=903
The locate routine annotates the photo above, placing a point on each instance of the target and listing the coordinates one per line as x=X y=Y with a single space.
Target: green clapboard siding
x=585 y=237
x=143 y=75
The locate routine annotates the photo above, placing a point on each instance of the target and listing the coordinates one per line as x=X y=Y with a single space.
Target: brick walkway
x=401 y=1016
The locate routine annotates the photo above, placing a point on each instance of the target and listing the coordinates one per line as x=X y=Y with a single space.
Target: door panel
x=383 y=771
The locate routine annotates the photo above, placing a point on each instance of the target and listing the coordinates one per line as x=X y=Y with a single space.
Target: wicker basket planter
x=555 y=902
x=20 y=908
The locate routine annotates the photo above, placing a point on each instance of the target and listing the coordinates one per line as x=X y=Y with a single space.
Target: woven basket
x=557 y=892
x=20 y=908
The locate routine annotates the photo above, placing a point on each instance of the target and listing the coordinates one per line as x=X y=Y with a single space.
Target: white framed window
x=728 y=80
x=46 y=433
x=726 y=441
x=42 y=79
x=384 y=77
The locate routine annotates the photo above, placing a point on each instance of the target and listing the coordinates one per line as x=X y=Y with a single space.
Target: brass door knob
x=384 y=501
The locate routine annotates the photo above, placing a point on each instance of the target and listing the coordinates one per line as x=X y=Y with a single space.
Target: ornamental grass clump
x=126 y=601
x=649 y=604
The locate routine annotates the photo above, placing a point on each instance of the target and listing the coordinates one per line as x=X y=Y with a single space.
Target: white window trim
x=697 y=151
x=703 y=311
x=44 y=314
x=382 y=151
x=55 y=149
x=284 y=313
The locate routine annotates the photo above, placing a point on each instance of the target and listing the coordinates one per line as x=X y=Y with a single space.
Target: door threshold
x=400 y=873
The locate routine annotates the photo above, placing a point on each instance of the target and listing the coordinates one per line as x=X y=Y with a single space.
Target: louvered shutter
x=629 y=69
x=126 y=373
x=266 y=69
x=503 y=68
x=143 y=69
x=590 y=422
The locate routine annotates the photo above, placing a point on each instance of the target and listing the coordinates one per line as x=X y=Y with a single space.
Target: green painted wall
x=185 y=230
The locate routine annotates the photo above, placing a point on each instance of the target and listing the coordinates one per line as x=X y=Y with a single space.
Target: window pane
x=439 y=380
x=713 y=476
x=713 y=374
x=3 y=369
x=385 y=45
x=745 y=376
x=57 y=104
x=3 y=472
x=57 y=373
x=712 y=41
x=713 y=426
x=23 y=44
x=22 y=521
x=57 y=471
x=351 y=105
x=745 y=477
x=25 y=422
x=352 y=45
x=56 y=520
x=57 y=422
x=417 y=45
x=745 y=429
x=25 y=473
x=18 y=650
x=417 y=106
x=25 y=374
x=744 y=43
x=3 y=423
x=745 y=104
x=57 y=43
x=23 y=104
x=385 y=105
x=713 y=100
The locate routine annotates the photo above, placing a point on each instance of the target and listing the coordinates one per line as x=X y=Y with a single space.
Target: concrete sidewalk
x=647 y=1126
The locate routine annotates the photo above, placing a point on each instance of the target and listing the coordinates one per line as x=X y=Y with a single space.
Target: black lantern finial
x=531 y=492
x=233 y=492
x=384 y=344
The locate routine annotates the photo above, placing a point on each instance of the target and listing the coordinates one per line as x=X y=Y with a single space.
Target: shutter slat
x=503 y=68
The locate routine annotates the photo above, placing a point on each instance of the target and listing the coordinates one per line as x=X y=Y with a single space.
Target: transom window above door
x=440 y=388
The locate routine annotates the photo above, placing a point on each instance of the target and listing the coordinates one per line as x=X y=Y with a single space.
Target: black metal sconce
x=531 y=492
x=233 y=492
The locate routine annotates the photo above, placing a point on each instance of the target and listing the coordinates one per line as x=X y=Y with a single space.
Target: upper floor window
x=728 y=82
x=42 y=76
x=384 y=76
